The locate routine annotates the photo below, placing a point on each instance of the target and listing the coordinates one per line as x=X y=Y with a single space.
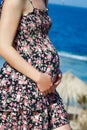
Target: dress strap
x=45 y=1
x=31 y=3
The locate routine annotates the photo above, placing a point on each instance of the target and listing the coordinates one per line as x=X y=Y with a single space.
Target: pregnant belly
x=45 y=60
x=43 y=56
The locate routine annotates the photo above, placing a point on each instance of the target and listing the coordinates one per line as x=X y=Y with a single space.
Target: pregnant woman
x=30 y=74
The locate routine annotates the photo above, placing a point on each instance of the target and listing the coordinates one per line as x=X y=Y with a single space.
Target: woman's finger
x=57 y=82
x=60 y=74
x=44 y=93
x=51 y=90
x=47 y=91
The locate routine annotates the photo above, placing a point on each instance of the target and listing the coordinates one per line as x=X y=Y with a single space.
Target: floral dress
x=22 y=105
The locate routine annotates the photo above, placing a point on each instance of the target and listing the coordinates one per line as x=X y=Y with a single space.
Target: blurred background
x=69 y=36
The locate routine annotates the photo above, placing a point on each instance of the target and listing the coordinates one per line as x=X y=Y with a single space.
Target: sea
x=68 y=34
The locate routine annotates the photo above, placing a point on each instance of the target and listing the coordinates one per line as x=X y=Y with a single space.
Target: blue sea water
x=69 y=36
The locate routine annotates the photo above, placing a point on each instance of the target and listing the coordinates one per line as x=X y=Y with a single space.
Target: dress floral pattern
x=22 y=105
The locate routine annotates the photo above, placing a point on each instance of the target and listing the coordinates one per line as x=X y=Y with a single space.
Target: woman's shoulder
x=11 y=7
x=13 y=2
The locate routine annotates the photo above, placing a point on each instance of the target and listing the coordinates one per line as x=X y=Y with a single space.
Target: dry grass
x=82 y=119
x=81 y=122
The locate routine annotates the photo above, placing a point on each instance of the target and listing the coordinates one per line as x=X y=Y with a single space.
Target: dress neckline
x=35 y=10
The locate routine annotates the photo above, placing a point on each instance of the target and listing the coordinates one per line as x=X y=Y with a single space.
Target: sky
x=80 y=3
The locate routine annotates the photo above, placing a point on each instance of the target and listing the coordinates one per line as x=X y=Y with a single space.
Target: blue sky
x=81 y=3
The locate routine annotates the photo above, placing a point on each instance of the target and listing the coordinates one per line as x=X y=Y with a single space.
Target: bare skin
x=65 y=127
x=28 y=8
x=11 y=14
x=7 y=51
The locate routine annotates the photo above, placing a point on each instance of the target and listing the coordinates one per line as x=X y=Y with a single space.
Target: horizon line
x=77 y=6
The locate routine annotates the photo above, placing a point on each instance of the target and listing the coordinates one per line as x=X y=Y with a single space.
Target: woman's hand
x=55 y=85
x=45 y=83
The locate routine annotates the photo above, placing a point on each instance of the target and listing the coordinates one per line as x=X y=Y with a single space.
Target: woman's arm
x=10 y=17
x=11 y=13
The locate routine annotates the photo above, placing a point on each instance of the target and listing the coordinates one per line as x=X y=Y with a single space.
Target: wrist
x=37 y=77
